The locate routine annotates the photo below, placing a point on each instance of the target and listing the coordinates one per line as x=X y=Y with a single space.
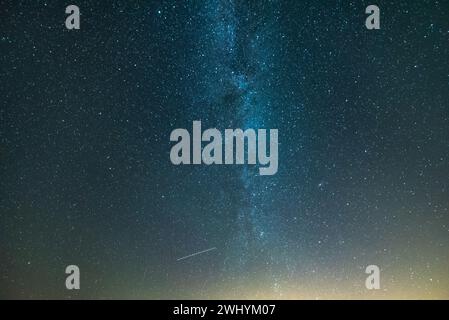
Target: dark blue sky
x=86 y=177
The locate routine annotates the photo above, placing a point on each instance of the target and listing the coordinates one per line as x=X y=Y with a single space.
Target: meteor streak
x=197 y=253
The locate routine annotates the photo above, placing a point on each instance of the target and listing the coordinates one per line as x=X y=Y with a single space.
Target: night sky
x=85 y=170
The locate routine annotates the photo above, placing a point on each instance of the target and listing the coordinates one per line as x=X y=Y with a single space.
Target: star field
x=85 y=171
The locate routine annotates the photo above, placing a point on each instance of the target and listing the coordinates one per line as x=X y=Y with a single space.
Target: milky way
x=238 y=35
